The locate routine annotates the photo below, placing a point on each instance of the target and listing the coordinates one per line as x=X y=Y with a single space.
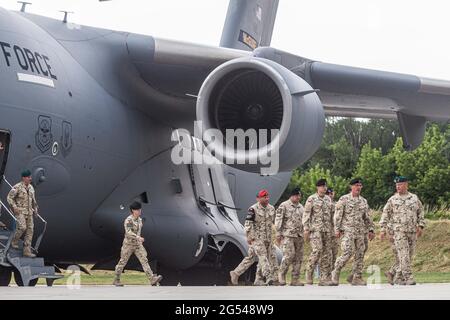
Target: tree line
x=373 y=150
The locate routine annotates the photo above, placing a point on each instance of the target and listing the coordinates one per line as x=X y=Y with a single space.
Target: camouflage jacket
x=352 y=215
x=402 y=213
x=259 y=222
x=22 y=199
x=288 y=219
x=133 y=228
x=333 y=210
x=318 y=215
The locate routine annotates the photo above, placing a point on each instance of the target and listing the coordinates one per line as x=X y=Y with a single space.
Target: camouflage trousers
x=266 y=259
x=352 y=245
x=250 y=259
x=139 y=251
x=395 y=268
x=405 y=245
x=320 y=253
x=247 y=262
x=334 y=250
x=24 y=225
x=292 y=248
x=366 y=246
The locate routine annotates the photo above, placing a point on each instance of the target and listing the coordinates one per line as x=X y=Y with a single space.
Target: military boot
x=14 y=245
x=399 y=282
x=389 y=277
x=282 y=278
x=259 y=282
x=358 y=281
x=326 y=283
x=117 y=282
x=410 y=282
x=155 y=279
x=350 y=278
x=335 y=276
x=27 y=253
x=234 y=277
x=309 y=277
x=271 y=282
x=296 y=282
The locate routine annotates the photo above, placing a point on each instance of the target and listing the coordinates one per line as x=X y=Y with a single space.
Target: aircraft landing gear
x=5 y=276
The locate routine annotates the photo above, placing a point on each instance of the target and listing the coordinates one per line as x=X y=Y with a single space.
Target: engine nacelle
x=256 y=93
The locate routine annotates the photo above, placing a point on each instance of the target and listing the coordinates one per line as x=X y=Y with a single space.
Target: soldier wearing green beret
x=23 y=203
x=403 y=215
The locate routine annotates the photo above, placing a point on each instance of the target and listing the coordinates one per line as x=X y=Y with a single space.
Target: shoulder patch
x=129 y=224
x=250 y=214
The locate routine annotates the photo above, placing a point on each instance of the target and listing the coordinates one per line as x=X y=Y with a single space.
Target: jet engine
x=265 y=118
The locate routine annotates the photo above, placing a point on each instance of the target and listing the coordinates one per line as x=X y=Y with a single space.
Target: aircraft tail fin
x=249 y=24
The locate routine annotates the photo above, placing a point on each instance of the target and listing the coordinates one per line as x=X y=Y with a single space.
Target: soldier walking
x=351 y=219
x=317 y=227
x=289 y=233
x=403 y=214
x=258 y=227
x=22 y=200
x=133 y=244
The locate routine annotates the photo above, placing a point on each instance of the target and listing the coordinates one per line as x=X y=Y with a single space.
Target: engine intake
x=255 y=93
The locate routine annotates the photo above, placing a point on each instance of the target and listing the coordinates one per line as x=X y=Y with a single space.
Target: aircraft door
x=4 y=148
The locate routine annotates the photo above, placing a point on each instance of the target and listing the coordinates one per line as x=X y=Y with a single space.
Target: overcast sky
x=393 y=35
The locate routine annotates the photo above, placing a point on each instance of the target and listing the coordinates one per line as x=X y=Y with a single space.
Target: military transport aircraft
x=93 y=114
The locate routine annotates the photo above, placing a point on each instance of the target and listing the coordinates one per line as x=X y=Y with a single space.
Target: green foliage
x=344 y=139
x=377 y=172
x=428 y=166
x=373 y=151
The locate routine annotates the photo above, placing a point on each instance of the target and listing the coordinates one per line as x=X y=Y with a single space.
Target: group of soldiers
x=324 y=223
x=22 y=201
x=321 y=222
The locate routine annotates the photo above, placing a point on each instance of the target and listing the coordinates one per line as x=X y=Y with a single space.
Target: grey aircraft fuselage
x=88 y=129
x=95 y=115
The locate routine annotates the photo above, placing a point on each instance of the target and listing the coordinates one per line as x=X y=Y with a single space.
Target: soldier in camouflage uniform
x=289 y=232
x=132 y=244
x=317 y=225
x=351 y=219
x=258 y=226
x=335 y=242
x=22 y=200
x=403 y=214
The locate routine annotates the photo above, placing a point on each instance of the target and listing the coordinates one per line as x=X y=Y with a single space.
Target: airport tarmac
x=386 y=292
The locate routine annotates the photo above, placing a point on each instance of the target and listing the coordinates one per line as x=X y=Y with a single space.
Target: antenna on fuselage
x=24 y=5
x=65 y=15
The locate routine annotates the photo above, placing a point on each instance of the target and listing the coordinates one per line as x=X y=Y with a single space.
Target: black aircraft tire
x=5 y=276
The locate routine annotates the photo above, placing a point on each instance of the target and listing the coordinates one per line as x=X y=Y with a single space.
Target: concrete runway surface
x=420 y=291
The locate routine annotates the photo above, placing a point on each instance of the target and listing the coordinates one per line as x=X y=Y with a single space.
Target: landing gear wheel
x=5 y=276
x=50 y=282
x=19 y=282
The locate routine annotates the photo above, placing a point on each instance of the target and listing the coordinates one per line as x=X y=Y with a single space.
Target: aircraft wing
x=356 y=92
x=344 y=91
